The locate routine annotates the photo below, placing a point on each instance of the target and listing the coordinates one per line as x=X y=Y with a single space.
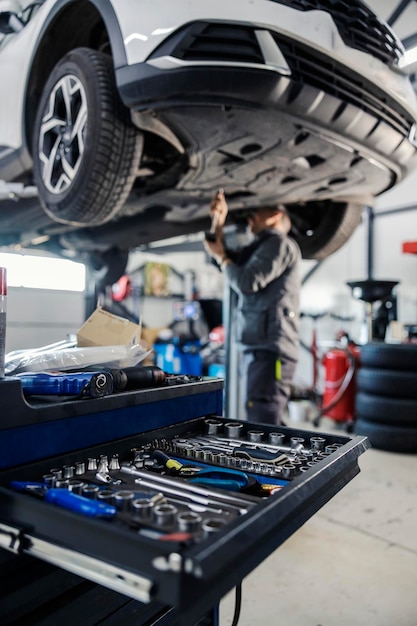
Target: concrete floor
x=354 y=563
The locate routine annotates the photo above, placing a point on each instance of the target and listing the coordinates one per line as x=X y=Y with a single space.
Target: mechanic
x=265 y=275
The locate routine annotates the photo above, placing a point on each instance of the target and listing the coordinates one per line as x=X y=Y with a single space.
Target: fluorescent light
x=409 y=57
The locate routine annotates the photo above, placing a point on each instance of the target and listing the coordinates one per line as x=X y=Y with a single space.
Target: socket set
x=178 y=508
x=234 y=445
x=140 y=493
x=186 y=487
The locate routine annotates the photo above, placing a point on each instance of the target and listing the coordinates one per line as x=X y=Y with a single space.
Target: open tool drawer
x=181 y=538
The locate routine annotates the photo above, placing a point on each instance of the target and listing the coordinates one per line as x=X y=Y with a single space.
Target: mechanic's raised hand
x=218 y=210
x=216 y=249
x=218 y=214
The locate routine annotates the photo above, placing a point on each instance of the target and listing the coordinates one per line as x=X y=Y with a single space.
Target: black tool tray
x=148 y=560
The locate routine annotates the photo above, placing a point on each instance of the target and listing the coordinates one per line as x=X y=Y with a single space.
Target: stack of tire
x=386 y=397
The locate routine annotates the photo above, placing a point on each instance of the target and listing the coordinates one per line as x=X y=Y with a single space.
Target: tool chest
x=151 y=501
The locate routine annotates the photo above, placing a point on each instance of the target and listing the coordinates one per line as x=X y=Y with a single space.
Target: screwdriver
x=66 y=499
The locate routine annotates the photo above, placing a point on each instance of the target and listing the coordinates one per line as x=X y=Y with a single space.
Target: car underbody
x=268 y=118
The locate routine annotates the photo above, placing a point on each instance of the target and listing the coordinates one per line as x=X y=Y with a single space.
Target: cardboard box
x=148 y=338
x=105 y=329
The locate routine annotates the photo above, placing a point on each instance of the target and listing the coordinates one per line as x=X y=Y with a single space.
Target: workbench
x=62 y=567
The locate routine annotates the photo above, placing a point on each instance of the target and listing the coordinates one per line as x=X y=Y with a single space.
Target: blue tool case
x=159 y=552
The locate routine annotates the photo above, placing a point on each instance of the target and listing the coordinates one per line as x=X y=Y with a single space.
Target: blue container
x=218 y=370
x=178 y=357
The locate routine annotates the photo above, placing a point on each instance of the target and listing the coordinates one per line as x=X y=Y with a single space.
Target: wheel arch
x=321 y=227
x=71 y=24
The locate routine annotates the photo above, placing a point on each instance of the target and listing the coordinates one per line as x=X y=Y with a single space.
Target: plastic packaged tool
x=92 y=384
x=64 y=356
x=3 y=309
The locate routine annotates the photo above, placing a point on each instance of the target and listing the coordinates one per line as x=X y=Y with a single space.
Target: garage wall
x=37 y=317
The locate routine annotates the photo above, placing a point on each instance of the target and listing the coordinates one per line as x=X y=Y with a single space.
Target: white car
x=127 y=116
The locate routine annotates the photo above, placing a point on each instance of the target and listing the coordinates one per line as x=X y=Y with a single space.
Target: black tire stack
x=386 y=398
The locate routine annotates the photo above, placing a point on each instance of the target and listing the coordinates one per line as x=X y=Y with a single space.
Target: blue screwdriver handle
x=79 y=504
x=66 y=499
x=26 y=485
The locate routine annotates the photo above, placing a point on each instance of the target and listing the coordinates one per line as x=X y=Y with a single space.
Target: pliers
x=219 y=477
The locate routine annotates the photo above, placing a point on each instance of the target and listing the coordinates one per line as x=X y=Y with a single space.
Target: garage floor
x=354 y=563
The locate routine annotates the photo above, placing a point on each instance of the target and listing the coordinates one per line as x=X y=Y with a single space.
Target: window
x=39 y=272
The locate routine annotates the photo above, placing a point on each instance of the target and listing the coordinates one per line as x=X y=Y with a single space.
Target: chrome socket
x=213 y=427
x=123 y=500
x=276 y=439
x=79 y=468
x=189 y=522
x=49 y=480
x=61 y=483
x=212 y=525
x=90 y=491
x=164 y=514
x=103 y=465
x=289 y=471
x=106 y=495
x=92 y=464
x=114 y=462
x=255 y=436
x=296 y=442
x=68 y=471
x=57 y=473
x=233 y=430
x=317 y=443
x=142 y=509
x=76 y=486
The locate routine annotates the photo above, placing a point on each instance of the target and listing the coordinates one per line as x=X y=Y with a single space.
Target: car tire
x=86 y=151
x=321 y=228
x=401 y=356
x=393 y=383
x=390 y=438
x=386 y=410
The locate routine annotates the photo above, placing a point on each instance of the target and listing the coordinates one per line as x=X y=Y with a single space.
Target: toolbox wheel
x=386 y=410
x=394 y=383
x=390 y=438
x=401 y=356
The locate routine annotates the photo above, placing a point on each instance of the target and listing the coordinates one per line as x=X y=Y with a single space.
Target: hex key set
x=150 y=513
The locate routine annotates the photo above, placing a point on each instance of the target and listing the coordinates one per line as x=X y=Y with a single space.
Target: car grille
x=225 y=43
x=358 y=26
x=316 y=70
x=219 y=42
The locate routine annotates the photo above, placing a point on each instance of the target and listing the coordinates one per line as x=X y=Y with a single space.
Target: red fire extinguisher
x=340 y=383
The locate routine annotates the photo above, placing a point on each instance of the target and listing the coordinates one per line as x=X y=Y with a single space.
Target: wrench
x=200 y=495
